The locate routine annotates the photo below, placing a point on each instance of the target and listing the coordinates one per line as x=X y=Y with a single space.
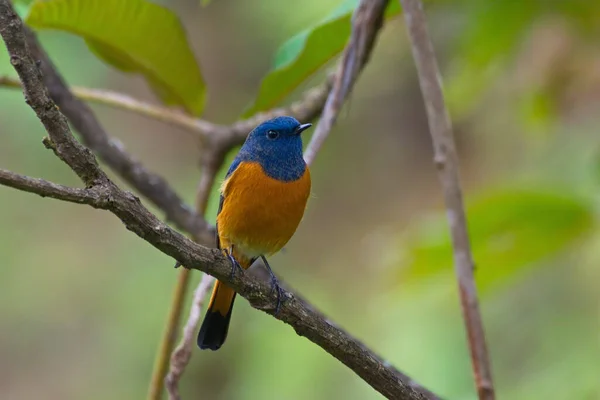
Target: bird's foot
x=235 y=266
x=275 y=286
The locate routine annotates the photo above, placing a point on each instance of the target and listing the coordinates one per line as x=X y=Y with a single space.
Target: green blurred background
x=83 y=302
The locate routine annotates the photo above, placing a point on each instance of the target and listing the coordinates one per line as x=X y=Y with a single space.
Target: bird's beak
x=302 y=128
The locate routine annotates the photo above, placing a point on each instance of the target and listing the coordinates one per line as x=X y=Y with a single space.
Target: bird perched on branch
x=263 y=199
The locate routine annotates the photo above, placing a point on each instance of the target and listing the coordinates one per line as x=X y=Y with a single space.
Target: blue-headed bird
x=263 y=198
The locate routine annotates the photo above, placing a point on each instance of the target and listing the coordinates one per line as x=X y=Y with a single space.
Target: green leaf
x=509 y=230
x=305 y=53
x=135 y=36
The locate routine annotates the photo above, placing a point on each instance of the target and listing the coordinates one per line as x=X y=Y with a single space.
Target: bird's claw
x=275 y=286
x=235 y=266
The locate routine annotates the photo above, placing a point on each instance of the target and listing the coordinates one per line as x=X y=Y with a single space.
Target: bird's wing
x=232 y=168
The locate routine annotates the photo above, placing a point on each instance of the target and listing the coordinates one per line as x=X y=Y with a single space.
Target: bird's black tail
x=214 y=328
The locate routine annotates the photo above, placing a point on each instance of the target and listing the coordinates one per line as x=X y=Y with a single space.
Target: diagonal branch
x=294 y=310
x=366 y=23
x=112 y=152
x=446 y=160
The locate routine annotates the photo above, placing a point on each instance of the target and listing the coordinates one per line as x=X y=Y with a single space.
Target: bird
x=262 y=201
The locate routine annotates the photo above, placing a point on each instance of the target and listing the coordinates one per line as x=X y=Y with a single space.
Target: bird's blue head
x=276 y=145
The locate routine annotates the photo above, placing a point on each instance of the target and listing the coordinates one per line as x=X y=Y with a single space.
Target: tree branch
x=294 y=310
x=48 y=189
x=366 y=23
x=446 y=160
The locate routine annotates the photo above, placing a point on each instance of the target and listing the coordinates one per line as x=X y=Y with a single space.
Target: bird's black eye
x=272 y=134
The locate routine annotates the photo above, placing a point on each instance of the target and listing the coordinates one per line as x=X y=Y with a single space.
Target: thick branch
x=446 y=160
x=294 y=310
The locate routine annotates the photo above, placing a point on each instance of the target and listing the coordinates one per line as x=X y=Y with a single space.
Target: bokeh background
x=83 y=302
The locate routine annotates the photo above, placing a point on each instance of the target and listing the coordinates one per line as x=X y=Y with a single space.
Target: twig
x=305 y=109
x=366 y=23
x=294 y=310
x=48 y=189
x=126 y=102
x=123 y=101
x=446 y=160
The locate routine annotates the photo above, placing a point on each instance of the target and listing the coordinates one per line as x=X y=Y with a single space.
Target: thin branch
x=294 y=310
x=47 y=189
x=126 y=102
x=305 y=109
x=366 y=23
x=446 y=160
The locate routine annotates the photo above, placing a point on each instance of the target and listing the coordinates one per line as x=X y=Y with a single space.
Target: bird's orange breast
x=260 y=214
